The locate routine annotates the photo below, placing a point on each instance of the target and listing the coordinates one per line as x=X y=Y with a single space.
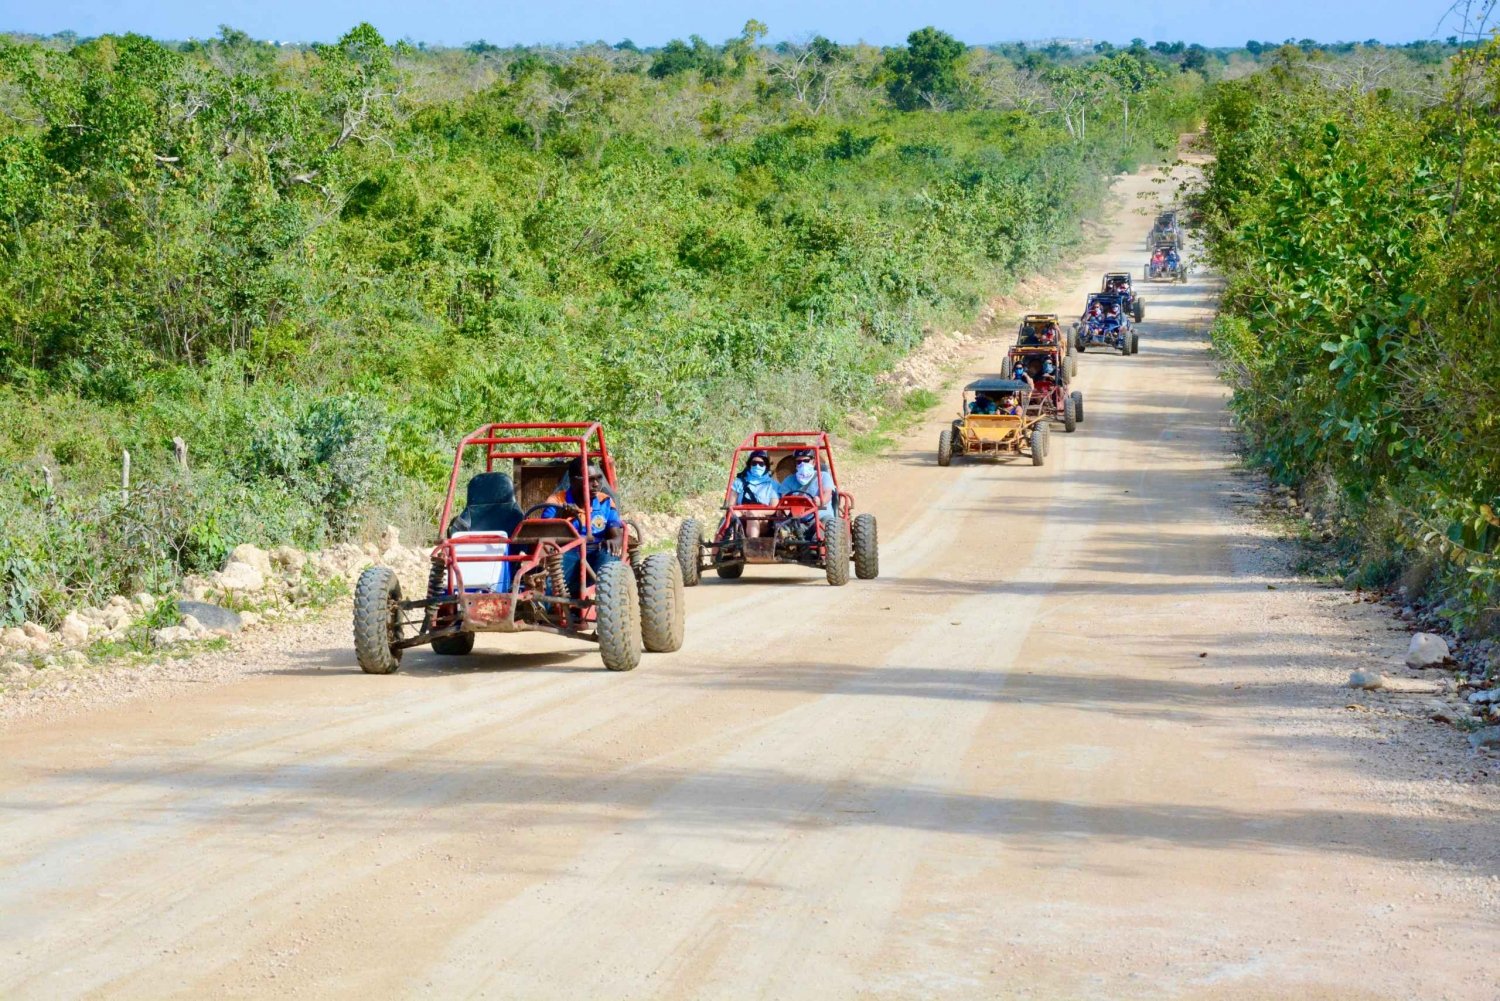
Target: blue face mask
x=756 y=473
x=804 y=472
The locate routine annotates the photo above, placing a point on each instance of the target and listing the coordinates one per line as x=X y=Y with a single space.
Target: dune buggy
x=1050 y=398
x=813 y=529
x=1101 y=331
x=997 y=418
x=1119 y=283
x=1044 y=330
x=514 y=560
x=1167 y=229
x=1161 y=267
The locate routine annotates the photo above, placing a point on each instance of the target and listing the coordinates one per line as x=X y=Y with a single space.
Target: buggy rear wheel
x=454 y=645
x=663 y=611
x=1070 y=365
x=836 y=550
x=689 y=541
x=377 y=621
x=866 y=547
x=945 y=447
x=1038 y=447
x=618 y=612
x=1135 y=343
x=730 y=571
x=1138 y=310
x=1078 y=405
x=1069 y=415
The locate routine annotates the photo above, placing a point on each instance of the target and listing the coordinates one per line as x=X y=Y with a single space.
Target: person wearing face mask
x=756 y=485
x=809 y=481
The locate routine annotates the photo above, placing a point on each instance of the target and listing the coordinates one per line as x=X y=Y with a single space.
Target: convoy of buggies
x=541 y=544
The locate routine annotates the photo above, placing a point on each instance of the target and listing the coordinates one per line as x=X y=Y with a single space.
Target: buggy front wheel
x=1078 y=405
x=836 y=550
x=1038 y=447
x=689 y=541
x=377 y=621
x=866 y=547
x=663 y=610
x=618 y=612
x=945 y=447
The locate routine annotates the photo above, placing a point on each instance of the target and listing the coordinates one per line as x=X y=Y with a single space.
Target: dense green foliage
x=319 y=266
x=1357 y=228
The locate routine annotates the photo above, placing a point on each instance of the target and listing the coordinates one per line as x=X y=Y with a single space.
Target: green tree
x=925 y=73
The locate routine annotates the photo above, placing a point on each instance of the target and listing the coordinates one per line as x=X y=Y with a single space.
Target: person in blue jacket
x=810 y=481
x=601 y=526
x=756 y=485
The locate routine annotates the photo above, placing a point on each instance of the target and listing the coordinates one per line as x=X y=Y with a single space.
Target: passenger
x=1158 y=260
x=1020 y=374
x=756 y=485
x=809 y=481
x=605 y=532
x=1010 y=404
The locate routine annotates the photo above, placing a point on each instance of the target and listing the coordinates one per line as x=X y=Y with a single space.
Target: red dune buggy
x=1050 y=398
x=1119 y=283
x=816 y=528
x=516 y=559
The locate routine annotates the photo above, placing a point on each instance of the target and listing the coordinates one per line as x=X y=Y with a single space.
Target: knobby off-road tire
x=377 y=621
x=1078 y=405
x=456 y=645
x=689 y=535
x=1070 y=365
x=945 y=447
x=1038 y=448
x=730 y=571
x=1069 y=415
x=1138 y=310
x=663 y=608
x=617 y=609
x=1135 y=343
x=866 y=547
x=836 y=550
x=1046 y=430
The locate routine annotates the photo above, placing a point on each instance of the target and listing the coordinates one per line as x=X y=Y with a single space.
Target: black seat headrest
x=491 y=488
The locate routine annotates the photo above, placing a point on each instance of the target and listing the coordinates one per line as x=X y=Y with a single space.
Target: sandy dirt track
x=1004 y=769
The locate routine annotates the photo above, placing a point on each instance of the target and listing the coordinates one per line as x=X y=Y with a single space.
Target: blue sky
x=651 y=22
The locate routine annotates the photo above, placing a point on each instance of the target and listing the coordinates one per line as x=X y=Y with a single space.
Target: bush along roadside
x=1356 y=233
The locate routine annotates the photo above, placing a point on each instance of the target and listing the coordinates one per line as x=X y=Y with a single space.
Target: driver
x=605 y=534
x=809 y=481
x=1049 y=371
x=983 y=404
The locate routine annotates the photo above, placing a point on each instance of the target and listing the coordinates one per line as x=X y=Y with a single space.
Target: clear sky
x=651 y=22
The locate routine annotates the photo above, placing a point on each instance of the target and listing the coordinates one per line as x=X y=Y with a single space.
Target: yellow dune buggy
x=997 y=421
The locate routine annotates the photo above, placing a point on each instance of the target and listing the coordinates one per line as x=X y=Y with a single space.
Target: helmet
x=803 y=454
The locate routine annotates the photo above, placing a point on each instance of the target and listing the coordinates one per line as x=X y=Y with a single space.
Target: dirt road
x=1004 y=769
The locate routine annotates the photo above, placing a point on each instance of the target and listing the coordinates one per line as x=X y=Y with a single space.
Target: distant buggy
x=1099 y=331
x=1166 y=264
x=997 y=419
x=1119 y=283
x=1166 y=229
x=1044 y=330
x=816 y=528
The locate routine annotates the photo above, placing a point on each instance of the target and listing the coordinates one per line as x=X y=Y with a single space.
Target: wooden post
x=179 y=452
x=125 y=477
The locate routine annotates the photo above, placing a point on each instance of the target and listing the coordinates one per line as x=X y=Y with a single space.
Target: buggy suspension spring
x=437 y=582
x=556 y=576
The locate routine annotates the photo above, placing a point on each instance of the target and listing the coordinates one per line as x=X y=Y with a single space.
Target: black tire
x=1138 y=310
x=454 y=645
x=1038 y=448
x=730 y=571
x=945 y=447
x=1135 y=343
x=1069 y=415
x=1045 y=438
x=377 y=621
x=836 y=551
x=618 y=611
x=1070 y=366
x=663 y=607
x=1078 y=405
x=866 y=547
x=1125 y=344
x=689 y=537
